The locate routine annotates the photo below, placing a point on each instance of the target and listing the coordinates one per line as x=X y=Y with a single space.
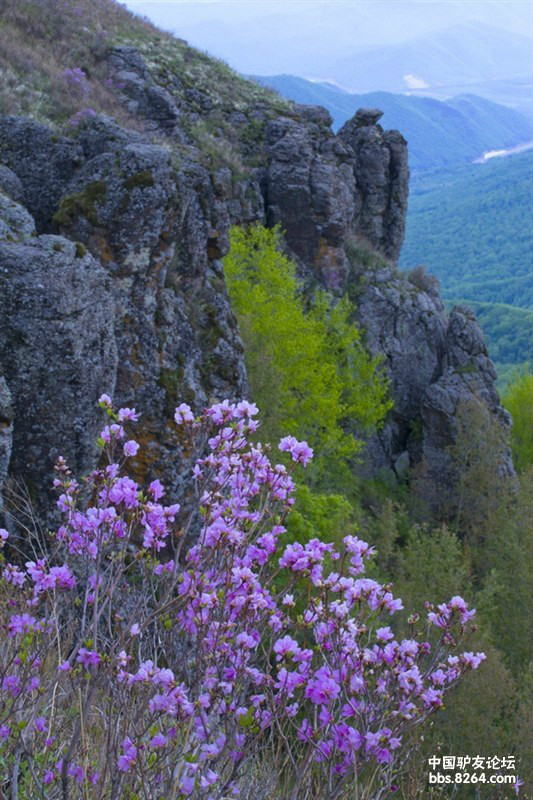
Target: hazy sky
x=302 y=36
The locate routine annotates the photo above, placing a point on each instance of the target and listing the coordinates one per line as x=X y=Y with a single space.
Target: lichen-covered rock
x=436 y=365
x=58 y=354
x=407 y=328
x=42 y=161
x=382 y=178
x=323 y=189
x=6 y=435
x=142 y=96
x=467 y=375
x=311 y=197
x=16 y=223
x=154 y=236
x=11 y=185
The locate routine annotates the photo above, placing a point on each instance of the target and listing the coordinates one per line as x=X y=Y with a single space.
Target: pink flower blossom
x=130 y=448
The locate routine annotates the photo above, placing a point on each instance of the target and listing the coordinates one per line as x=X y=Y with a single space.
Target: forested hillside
x=472 y=228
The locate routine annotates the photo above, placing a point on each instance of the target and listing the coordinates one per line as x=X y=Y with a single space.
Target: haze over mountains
x=455 y=59
x=437 y=48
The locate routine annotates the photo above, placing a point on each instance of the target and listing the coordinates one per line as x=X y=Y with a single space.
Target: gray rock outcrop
x=110 y=262
x=6 y=433
x=58 y=355
x=129 y=300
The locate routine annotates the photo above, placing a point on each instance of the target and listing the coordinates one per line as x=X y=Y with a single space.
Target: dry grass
x=39 y=39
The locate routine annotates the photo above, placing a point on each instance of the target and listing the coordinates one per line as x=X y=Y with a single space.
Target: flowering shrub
x=134 y=666
x=81 y=116
x=76 y=81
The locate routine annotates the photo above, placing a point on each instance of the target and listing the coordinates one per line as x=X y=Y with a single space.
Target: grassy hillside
x=44 y=44
x=441 y=135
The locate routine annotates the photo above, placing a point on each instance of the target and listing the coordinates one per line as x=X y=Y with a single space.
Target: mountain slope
x=473 y=230
x=440 y=134
x=463 y=54
x=144 y=204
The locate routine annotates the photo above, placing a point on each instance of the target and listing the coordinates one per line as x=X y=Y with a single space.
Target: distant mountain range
x=441 y=134
x=468 y=53
x=437 y=47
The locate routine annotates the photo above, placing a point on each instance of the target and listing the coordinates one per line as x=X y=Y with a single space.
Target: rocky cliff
x=111 y=241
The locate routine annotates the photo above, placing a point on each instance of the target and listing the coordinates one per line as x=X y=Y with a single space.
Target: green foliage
x=307 y=367
x=472 y=229
x=482 y=497
x=142 y=180
x=81 y=204
x=360 y=253
x=518 y=400
x=488 y=714
x=317 y=515
x=431 y=558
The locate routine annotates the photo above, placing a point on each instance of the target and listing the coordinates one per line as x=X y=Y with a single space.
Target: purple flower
x=128 y=757
x=130 y=448
x=48 y=777
x=299 y=451
x=81 y=116
x=88 y=658
x=473 y=660
x=20 y=623
x=286 y=646
x=40 y=724
x=322 y=687
x=128 y=414
x=11 y=684
x=157 y=489
x=159 y=740
x=385 y=634
x=183 y=414
x=12 y=574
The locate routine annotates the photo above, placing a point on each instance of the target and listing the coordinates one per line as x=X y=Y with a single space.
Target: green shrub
x=306 y=365
x=518 y=400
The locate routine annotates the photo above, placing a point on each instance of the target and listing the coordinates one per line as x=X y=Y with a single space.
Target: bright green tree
x=307 y=367
x=518 y=400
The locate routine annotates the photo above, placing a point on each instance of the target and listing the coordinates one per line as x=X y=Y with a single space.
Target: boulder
x=58 y=355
